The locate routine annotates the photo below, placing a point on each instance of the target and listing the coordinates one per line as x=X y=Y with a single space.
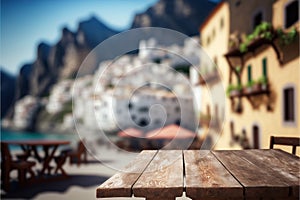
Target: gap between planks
x=244 y=192
x=132 y=195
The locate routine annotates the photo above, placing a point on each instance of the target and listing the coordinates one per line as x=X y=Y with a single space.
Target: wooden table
x=49 y=148
x=204 y=174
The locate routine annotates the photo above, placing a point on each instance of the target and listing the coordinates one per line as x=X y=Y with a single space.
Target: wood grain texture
x=258 y=181
x=283 y=165
x=120 y=185
x=207 y=178
x=163 y=178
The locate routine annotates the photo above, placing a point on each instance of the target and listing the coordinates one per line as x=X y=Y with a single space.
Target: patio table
x=204 y=174
x=49 y=147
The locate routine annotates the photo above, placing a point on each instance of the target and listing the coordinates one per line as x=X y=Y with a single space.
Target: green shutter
x=249 y=73
x=264 y=63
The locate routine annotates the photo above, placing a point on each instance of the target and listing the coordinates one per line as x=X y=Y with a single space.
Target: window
x=157 y=122
x=143 y=122
x=177 y=122
x=288 y=104
x=208 y=41
x=249 y=73
x=255 y=132
x=291 y=13
x=264 y=65
x=133 y=117
x=208 y=110
x=238 y=3
x=143 y=109
x=221 y=23
x=216 y=61
x=257 y=20
x=213 y=33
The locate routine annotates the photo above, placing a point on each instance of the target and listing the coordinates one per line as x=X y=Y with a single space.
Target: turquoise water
x=14 y=135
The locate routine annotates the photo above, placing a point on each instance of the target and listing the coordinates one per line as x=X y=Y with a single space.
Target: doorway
x=256 y=141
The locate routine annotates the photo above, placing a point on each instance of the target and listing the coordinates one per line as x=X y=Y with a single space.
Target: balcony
x=252 y=92
x=249 y=92
x=263 y=35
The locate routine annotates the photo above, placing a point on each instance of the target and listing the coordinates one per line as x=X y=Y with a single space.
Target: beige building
x=259 y=67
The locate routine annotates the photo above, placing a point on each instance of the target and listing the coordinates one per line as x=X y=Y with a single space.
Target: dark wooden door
x=255 y=131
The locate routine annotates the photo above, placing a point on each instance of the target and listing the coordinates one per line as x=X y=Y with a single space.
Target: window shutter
x=249 y=73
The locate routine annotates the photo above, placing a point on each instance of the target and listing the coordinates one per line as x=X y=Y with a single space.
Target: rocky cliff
x=8 y=83
x=63 y=59
x=184 y=16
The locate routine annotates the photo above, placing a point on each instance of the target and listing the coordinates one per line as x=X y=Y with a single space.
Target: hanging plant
x=287 y=38
x=243 y=47
x=263 y=30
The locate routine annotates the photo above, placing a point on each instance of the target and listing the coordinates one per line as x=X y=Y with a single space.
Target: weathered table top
x=203 y=174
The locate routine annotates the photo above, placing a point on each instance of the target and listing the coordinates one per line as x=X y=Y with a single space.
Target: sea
x=23 y=135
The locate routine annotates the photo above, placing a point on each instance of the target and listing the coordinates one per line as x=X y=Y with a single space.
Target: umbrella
x=130 y=133
x=170 y=132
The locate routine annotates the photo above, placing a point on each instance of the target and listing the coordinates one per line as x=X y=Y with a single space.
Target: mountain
x=8 y=83
x=184 y=16
x=56 y=62
x=22 y=83
x=63 y=59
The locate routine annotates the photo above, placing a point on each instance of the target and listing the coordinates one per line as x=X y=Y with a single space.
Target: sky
x=25 y=23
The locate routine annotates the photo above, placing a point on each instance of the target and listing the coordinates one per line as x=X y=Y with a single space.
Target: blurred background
x=234 y=92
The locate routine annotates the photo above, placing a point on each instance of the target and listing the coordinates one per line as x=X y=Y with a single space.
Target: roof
x=211 y=15
x=130 y=133
x=170 y=132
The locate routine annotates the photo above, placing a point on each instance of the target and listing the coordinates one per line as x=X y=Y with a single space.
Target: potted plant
x=263 y=82
x=249 y=86
x=236 y=90
x=230 y=88
x=256 y=86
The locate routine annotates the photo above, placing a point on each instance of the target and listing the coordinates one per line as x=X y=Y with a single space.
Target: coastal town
x=133 y=83
x=203 y=112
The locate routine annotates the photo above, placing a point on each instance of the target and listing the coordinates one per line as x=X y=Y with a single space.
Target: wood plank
x=283 y=165
x=207 y=178
x=120 y=185
x=258 y=181
x=163 y=178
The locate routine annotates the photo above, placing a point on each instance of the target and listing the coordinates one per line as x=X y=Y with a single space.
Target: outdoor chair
x=8 y=164
x=78 y=155
x=288 y=141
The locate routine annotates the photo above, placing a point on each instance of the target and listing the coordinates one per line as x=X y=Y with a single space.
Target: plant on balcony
x=233 y=90
x=263 y=81
x=230 y=88
x=263 y=30
x=249 y=86
x=286 y=38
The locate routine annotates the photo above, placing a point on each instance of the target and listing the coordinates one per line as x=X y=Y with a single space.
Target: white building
x=138 y=91
x=145 y=108
x=25 y=110
x=60 y=94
